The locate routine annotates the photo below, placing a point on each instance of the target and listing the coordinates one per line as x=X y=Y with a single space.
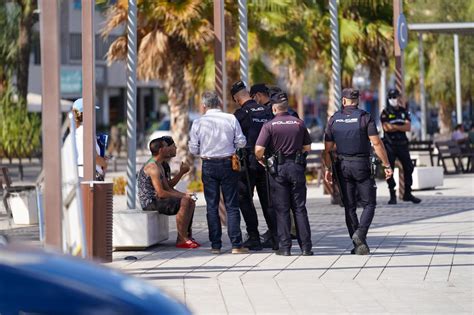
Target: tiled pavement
x=422 y=261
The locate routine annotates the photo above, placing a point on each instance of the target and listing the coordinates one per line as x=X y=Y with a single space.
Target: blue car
x=34 y=281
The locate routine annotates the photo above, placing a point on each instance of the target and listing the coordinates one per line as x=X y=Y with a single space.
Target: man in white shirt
x=101 y=162
x=215 y=137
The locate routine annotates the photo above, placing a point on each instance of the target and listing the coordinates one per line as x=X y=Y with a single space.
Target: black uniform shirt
x=243 y=116
x=366 y=120
x=285 y=134
x=395 y=116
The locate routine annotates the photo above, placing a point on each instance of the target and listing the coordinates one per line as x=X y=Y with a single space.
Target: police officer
x=265 y=96
x=287 y=139
x=395 y=123
x=352 y=130
x=252 y=116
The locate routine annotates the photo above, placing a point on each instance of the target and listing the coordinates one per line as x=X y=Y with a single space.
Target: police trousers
x=401 y=153
x=257 y=178
x=288 y=190
x=355 y=177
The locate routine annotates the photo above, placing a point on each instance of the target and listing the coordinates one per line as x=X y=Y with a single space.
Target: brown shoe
x=215 y=251
x=240 y=250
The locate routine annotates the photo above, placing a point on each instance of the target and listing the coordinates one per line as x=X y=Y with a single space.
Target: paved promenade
x=422 y=261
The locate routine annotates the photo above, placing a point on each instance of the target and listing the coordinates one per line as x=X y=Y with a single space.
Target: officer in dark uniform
x=352 y=130
x=396 y=122
x=286 y=139
x=272 y=92
x=251 y=117
x=260 y=92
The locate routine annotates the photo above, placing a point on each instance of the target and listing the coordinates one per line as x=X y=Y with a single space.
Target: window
x=101 y=46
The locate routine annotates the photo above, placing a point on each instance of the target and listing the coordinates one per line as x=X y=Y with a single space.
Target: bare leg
x=183 y=219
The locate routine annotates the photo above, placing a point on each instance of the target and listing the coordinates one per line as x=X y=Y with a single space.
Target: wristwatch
x=387 y=167
x=327 y=169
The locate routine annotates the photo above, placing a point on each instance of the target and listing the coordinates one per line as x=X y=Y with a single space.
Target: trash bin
x=23 y=206
x=98 y=209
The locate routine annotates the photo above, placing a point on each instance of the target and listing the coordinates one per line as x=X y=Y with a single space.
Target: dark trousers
x=288 y=190
x=257 y=178
x=355 y=179
x=218 y=175
x=401 y=152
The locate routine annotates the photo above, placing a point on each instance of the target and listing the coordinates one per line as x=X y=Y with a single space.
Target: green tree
x=439 y=56
x=172 y=36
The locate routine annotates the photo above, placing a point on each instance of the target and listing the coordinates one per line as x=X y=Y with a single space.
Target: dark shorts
x=168 y=206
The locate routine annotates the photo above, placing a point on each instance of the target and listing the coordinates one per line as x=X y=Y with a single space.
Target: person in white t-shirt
x=101 y=162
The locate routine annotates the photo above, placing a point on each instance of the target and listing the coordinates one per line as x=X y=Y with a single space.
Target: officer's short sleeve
x=264 y=136
x=384 y=117
x=306 y=137
x=407 y=115
x=371 y=127
x=328 y=136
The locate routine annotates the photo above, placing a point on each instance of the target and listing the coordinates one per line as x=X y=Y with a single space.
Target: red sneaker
x=194 y=241
x=187 y=244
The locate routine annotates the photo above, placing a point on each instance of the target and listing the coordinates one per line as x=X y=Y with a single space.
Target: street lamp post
x=335 y=55
x=219 y=52
x=243 y=42
x=131 y=103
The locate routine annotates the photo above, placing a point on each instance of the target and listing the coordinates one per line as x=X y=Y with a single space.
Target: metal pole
x=219 y=52
x=131 y=102
x=383 y=86
x=422 y=86
x=88 y=87
x=458 y=79
x=335 y=56
x=51 y=126
x=243 y=42
x=399 y=64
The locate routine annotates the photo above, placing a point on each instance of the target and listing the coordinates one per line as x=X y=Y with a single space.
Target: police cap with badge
x=237 y=87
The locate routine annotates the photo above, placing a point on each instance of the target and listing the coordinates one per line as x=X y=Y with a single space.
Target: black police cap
x=350 y=93
x=258 y=88
x=280 y=97
x=393 y=93
x=236 y=87
x=274 y=90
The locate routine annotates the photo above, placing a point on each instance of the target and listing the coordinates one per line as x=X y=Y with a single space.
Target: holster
x=272 y=165
x=301 y=158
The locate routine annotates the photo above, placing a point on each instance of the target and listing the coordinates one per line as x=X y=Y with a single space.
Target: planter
x=424 y=177
x=24 y=207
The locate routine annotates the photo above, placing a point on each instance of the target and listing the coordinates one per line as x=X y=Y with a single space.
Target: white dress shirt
x=80 y=152
x=216 y=134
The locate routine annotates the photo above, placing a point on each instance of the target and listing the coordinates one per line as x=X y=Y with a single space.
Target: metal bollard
x=98 y=211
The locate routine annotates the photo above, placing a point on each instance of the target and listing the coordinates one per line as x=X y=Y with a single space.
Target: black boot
x=253 y=243
x=393 y=197
x=410 y=197
x=361 y=244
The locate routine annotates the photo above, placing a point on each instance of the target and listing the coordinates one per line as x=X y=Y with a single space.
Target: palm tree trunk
x=179 y=112
x=445 y=122
x=24 y=45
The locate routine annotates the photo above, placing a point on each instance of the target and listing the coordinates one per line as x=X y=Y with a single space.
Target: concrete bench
x=138 y=229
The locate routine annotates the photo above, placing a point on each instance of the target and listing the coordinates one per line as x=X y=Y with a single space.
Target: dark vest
x=259 y=114
x=349 y=134
x=396 y=117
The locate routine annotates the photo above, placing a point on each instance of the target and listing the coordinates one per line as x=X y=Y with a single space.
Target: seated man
x=155 y=193
x=172 y=182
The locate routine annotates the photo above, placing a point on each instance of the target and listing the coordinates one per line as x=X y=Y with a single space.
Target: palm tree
x=172 y=39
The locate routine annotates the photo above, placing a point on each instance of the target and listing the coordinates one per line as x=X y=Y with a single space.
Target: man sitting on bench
x=172 y=182
x=155 y=193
